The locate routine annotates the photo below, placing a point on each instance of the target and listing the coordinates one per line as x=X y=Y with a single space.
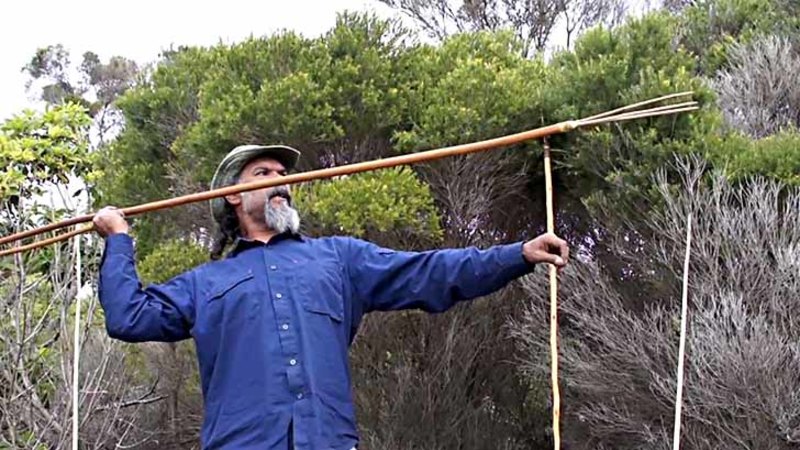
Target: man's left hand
x=547 y=248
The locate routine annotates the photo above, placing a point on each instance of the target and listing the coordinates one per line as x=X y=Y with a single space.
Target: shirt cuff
x=513 y=259
x=119 y=244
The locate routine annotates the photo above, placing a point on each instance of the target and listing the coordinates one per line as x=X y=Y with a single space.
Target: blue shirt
x=272 y=324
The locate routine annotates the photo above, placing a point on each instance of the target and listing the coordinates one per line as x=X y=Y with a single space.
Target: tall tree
x=97 y=87
x=40 y=151
x=533 y=21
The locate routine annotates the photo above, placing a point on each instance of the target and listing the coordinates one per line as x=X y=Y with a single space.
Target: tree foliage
x=776 y=157
x=37 y=149
x=709 y=28
x=96 y=88
x=51 y=66
x=533 y=22
x=388 y=201
x=39 y=153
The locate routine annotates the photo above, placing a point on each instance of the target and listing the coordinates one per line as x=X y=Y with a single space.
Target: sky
x=141 y=30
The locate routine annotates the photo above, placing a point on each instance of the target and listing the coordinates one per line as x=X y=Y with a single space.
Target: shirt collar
x=242 y=243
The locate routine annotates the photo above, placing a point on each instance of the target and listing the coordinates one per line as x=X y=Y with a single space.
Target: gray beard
x=280 y=219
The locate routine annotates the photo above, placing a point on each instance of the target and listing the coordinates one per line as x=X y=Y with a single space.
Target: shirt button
x=278 y=295
x=285 y=326
x=273 y=267
x=299 y=396
x=292 y=362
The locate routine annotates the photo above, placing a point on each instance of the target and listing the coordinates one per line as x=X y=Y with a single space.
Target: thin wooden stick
x=639 y=105
x=676 y=437
x=551 y=226
x=76 y=355
x=655 y=112
x=658 y=108
x=45 y=242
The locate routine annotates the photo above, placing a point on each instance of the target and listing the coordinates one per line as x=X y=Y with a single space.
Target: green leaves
x=710 y=27
x=36 y=149
x=386 y=200
x=337 y=97
x=103 y=83
x=170 y=259
x=473 y=87
x=776 y=157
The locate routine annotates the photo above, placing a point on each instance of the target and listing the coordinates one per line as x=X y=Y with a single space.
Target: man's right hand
x=110 y=220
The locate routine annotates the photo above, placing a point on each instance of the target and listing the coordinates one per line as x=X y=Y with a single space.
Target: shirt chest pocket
x=321 y=289
x=233 y=299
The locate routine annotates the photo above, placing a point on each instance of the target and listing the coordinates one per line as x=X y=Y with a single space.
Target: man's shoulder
x=332 y=240
x=345 y=246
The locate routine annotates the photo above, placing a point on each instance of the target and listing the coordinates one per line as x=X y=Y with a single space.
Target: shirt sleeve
x=159 y=312
x=384 y=279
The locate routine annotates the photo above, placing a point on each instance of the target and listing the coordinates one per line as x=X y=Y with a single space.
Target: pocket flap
x=226 y=287
x=321 y=290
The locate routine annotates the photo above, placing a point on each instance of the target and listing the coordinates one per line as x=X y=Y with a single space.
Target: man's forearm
x=133 y=314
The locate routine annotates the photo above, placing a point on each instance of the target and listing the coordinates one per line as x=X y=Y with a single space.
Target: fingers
x=547 y=248
x=562 y=248
x=110 y=220
x=557 y=250
x=110 y=210
x=550 y=258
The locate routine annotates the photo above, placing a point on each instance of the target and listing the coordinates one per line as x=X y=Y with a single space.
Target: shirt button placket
x=284 y=317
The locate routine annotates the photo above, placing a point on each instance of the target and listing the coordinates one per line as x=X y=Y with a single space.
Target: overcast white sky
x=140 y=30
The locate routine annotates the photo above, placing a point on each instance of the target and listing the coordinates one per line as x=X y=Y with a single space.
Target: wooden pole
x=349 y=169
x=76 y=349
x=676 y=436
x=408 y=159
x=551 y=226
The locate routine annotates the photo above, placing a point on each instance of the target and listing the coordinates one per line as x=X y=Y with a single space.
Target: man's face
x=269 y=206
x=259 y=169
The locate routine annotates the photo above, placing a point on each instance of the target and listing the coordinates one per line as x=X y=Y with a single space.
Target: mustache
x=279 y=191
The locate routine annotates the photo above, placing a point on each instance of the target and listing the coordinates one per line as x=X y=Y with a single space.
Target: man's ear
x=234 y=199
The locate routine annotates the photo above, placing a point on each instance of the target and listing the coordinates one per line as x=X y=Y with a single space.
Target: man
x=273 y=320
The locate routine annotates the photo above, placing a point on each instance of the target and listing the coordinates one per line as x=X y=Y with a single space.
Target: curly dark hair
x=226 y=233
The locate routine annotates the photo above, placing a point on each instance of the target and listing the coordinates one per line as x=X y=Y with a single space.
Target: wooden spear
x=408 y=159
